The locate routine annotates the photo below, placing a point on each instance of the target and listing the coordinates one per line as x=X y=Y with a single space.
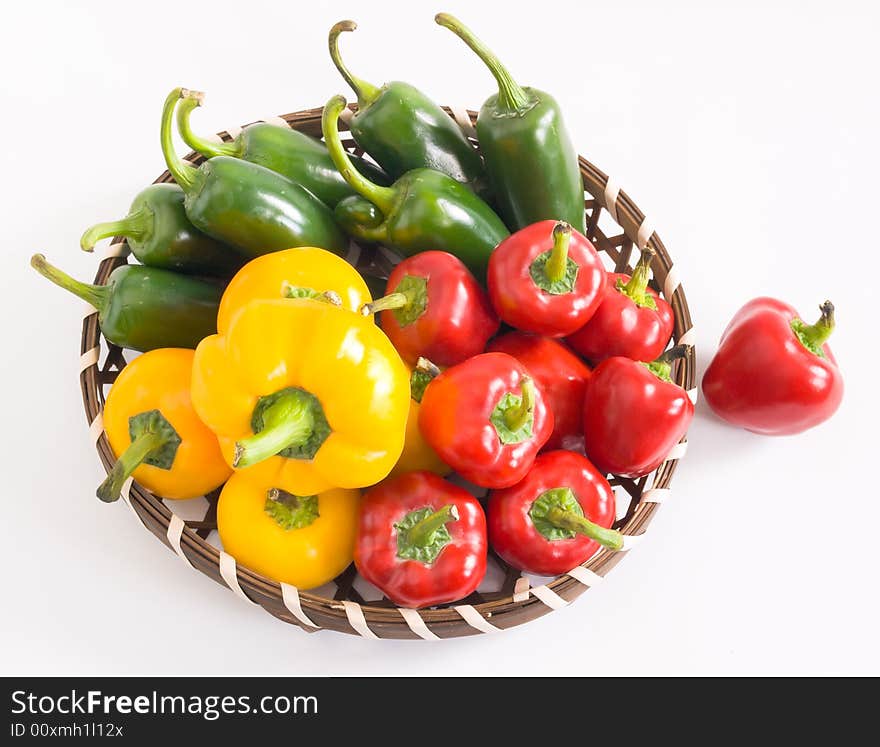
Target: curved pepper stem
x=184 y=173
x=138 y=450
x=559 y=517
x=662 y=366
x=366 y=93
x=555 y=267
x=422 y=532
x=814 y=336
x=96 y=295
x=288 y=422
x=511 y=95
x=423 y=374
x=136 y=225
x=382 y=197
x=637 y=286
x=200 y=144
x=519 y=415
x=391 y=301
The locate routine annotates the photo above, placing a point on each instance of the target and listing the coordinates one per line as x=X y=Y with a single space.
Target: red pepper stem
x=662 y=366
x=555 y=267
x=96 y=295
x=511 y=95
x=391 y=301
x=130 y=459
x=422 y=533
x=200 y=144
x=135 y=226
x=516 y=417
x=383 y=198
x=610 y=538
x=184 y=173
x=366 y=93
x=815 y=335
x=637 y=286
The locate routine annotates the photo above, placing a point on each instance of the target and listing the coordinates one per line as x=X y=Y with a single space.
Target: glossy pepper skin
x=531 y=163
x=293 y=154
x=160 y=235
x=486 y=419
x=421 y=540
x=155 y=433
x=634 y=414
x=303 y=394
x=546 y=278
x=632 y=321
x=403 y=129
x=304 y=272
x=143 y=308
x=423 y=210
x=560 y=375
x=434 y=308
x=417 y=454
x=245 y=205
x=555 y=518
x=773 y=373
x=301 y=540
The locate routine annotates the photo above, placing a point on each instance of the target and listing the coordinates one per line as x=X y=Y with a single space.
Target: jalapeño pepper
x=532 y=166
x=246 y=205
x=403 y=129
x=291 y=153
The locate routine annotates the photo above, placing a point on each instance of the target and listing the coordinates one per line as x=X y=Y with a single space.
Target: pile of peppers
x=339 y=426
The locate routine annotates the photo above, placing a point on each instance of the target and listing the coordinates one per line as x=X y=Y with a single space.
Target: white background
x=747 y=131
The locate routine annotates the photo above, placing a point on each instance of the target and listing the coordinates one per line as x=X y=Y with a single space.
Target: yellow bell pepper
x=303 y=394
x=304 y=541
x=301 y=272
x=417 y=453
x=156 y=434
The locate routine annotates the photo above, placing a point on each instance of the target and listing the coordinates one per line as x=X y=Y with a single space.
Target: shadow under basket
x=618 y=229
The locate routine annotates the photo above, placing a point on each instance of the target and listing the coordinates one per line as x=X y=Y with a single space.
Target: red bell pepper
x=546 y=278
x=486 y=419
x=560 y=374
x=634 y=414
x=421 y=540
x=773 y=373
x=632 y=321
x=555 y=518
x=435 y=308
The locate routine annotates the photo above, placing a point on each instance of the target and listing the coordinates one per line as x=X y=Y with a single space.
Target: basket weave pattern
x=517 y=600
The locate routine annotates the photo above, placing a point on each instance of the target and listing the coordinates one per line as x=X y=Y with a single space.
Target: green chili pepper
x=144 y=308
x=291 y=153
x=403 y=129
x=160 y=235
x=246 y=205
x=531 y=163
x=423 y=210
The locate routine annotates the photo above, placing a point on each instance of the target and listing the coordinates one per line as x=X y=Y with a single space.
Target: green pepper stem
x=197 y=143
x=662 y=366
x=637 y=286
x=556 y=264
x=289 y=421
x=96 y=295
x=610 y=538
x=366 y=93
x=382 y=197
x=130 y=459
x=184 y=173
x=135 y=226
x=391 y=301
x=815 y=335
x=422 y=532
x=516 y=417
x=511 y=95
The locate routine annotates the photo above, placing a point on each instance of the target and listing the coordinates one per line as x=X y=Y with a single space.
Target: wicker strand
x=549 y=597
x=96 y=428
x=89 y=358
x=229 y=573
x=290 y=596
x=416 y=624
x=176 y=527
x=586 y=576
x=117 y=250
x=473 y=618
x=356 y=619
x=612 y=190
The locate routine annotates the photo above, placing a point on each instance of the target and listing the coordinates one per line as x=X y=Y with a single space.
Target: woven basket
x=618 y=229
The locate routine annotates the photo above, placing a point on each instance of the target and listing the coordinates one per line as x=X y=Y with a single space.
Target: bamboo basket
x=618 y=229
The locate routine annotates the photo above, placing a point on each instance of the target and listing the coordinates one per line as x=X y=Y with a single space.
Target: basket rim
x=532 y=601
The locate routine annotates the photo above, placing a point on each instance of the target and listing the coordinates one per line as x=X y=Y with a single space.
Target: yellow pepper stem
x=288 y=422
x=138 y=450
